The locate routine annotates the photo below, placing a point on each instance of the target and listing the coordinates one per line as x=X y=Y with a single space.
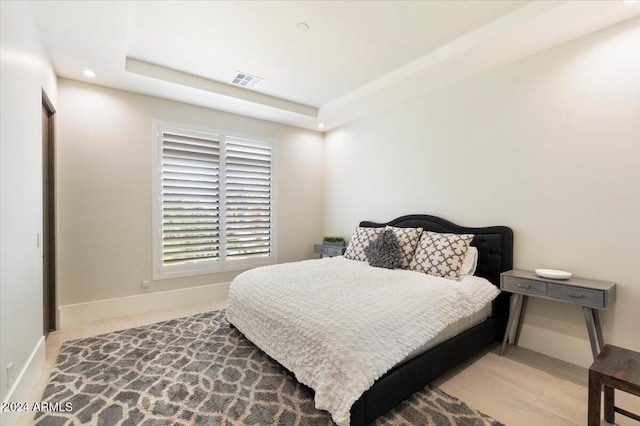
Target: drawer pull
x=523 y=285
x=575 y=295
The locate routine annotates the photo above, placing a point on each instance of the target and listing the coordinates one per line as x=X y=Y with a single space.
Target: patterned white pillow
x=360 y=240
x=441 y=255
x=408 y=239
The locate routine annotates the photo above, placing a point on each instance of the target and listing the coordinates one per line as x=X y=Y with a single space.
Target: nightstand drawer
x=524 y=286
x=334 y=251
x=581 y=296
x=329 y=250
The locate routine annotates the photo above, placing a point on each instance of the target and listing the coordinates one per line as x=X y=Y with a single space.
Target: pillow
x=385 y=251
x=360 y=239
x=470 y=262
x=408 y=239
x=441 y=254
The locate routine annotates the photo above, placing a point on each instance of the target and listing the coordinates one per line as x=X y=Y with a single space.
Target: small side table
x=592 y=295
x=614 y=368
x=330 y=251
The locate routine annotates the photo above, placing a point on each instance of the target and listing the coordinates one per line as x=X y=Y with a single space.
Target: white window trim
x=161 y=272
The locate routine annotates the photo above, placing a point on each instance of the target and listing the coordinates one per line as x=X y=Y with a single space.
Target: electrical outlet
x=9 y=375
x=145 y=285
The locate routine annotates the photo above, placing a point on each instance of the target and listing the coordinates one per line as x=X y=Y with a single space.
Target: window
x=213 y=201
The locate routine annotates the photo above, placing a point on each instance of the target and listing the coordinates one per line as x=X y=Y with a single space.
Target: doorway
x=48 y=217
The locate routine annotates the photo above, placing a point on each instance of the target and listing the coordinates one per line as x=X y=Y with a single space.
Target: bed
x=273 y=309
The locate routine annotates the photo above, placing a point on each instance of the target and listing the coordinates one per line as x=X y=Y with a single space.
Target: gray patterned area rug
x=199 y=371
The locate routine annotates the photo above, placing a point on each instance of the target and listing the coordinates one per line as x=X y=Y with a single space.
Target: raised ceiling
x=356 y=58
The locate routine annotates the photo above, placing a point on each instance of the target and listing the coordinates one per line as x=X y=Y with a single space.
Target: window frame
x=204 y=267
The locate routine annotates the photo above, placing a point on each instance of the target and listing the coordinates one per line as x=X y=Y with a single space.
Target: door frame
x=49 y=240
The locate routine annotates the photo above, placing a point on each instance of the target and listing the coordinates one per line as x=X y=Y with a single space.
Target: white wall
x=104 y=189
x=25 y=71
x=549 y=145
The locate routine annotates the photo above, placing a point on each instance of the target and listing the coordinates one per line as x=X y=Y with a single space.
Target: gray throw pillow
x=385 y=251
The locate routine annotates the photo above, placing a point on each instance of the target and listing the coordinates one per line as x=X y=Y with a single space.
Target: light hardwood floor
x=519 y=389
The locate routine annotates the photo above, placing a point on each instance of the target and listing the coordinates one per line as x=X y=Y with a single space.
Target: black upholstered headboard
x=494 y=243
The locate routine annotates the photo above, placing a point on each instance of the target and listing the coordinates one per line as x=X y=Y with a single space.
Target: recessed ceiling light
x=636 y=2
x=320 y=126
x=89 y=73
x=303 y=26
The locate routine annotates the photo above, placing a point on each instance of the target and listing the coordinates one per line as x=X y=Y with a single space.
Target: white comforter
x=340 y=324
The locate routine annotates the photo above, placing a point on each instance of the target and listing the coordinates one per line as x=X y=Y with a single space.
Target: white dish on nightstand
x=553 y=274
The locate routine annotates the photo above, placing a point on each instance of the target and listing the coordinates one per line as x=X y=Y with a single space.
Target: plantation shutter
x=190 y=196
x=248 y=199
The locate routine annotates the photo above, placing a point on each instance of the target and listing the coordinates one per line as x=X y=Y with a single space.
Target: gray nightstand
x=329 y=250
x=592 y=295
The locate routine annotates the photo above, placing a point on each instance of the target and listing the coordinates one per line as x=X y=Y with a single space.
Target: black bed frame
x=495 y=255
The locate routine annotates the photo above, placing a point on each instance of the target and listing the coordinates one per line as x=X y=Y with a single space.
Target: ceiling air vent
x=246 y=80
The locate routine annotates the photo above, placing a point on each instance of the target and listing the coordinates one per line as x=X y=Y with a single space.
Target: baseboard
x=24 y=382
x=139 y=304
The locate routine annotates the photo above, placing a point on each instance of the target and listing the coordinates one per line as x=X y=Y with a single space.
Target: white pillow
x=470 y=262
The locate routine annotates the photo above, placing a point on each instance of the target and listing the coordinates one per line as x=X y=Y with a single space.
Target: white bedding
x=452 y=330
x=340 y=324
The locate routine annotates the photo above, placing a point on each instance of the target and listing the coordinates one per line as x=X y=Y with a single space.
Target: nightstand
x=330 y=251
x=592 y=295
